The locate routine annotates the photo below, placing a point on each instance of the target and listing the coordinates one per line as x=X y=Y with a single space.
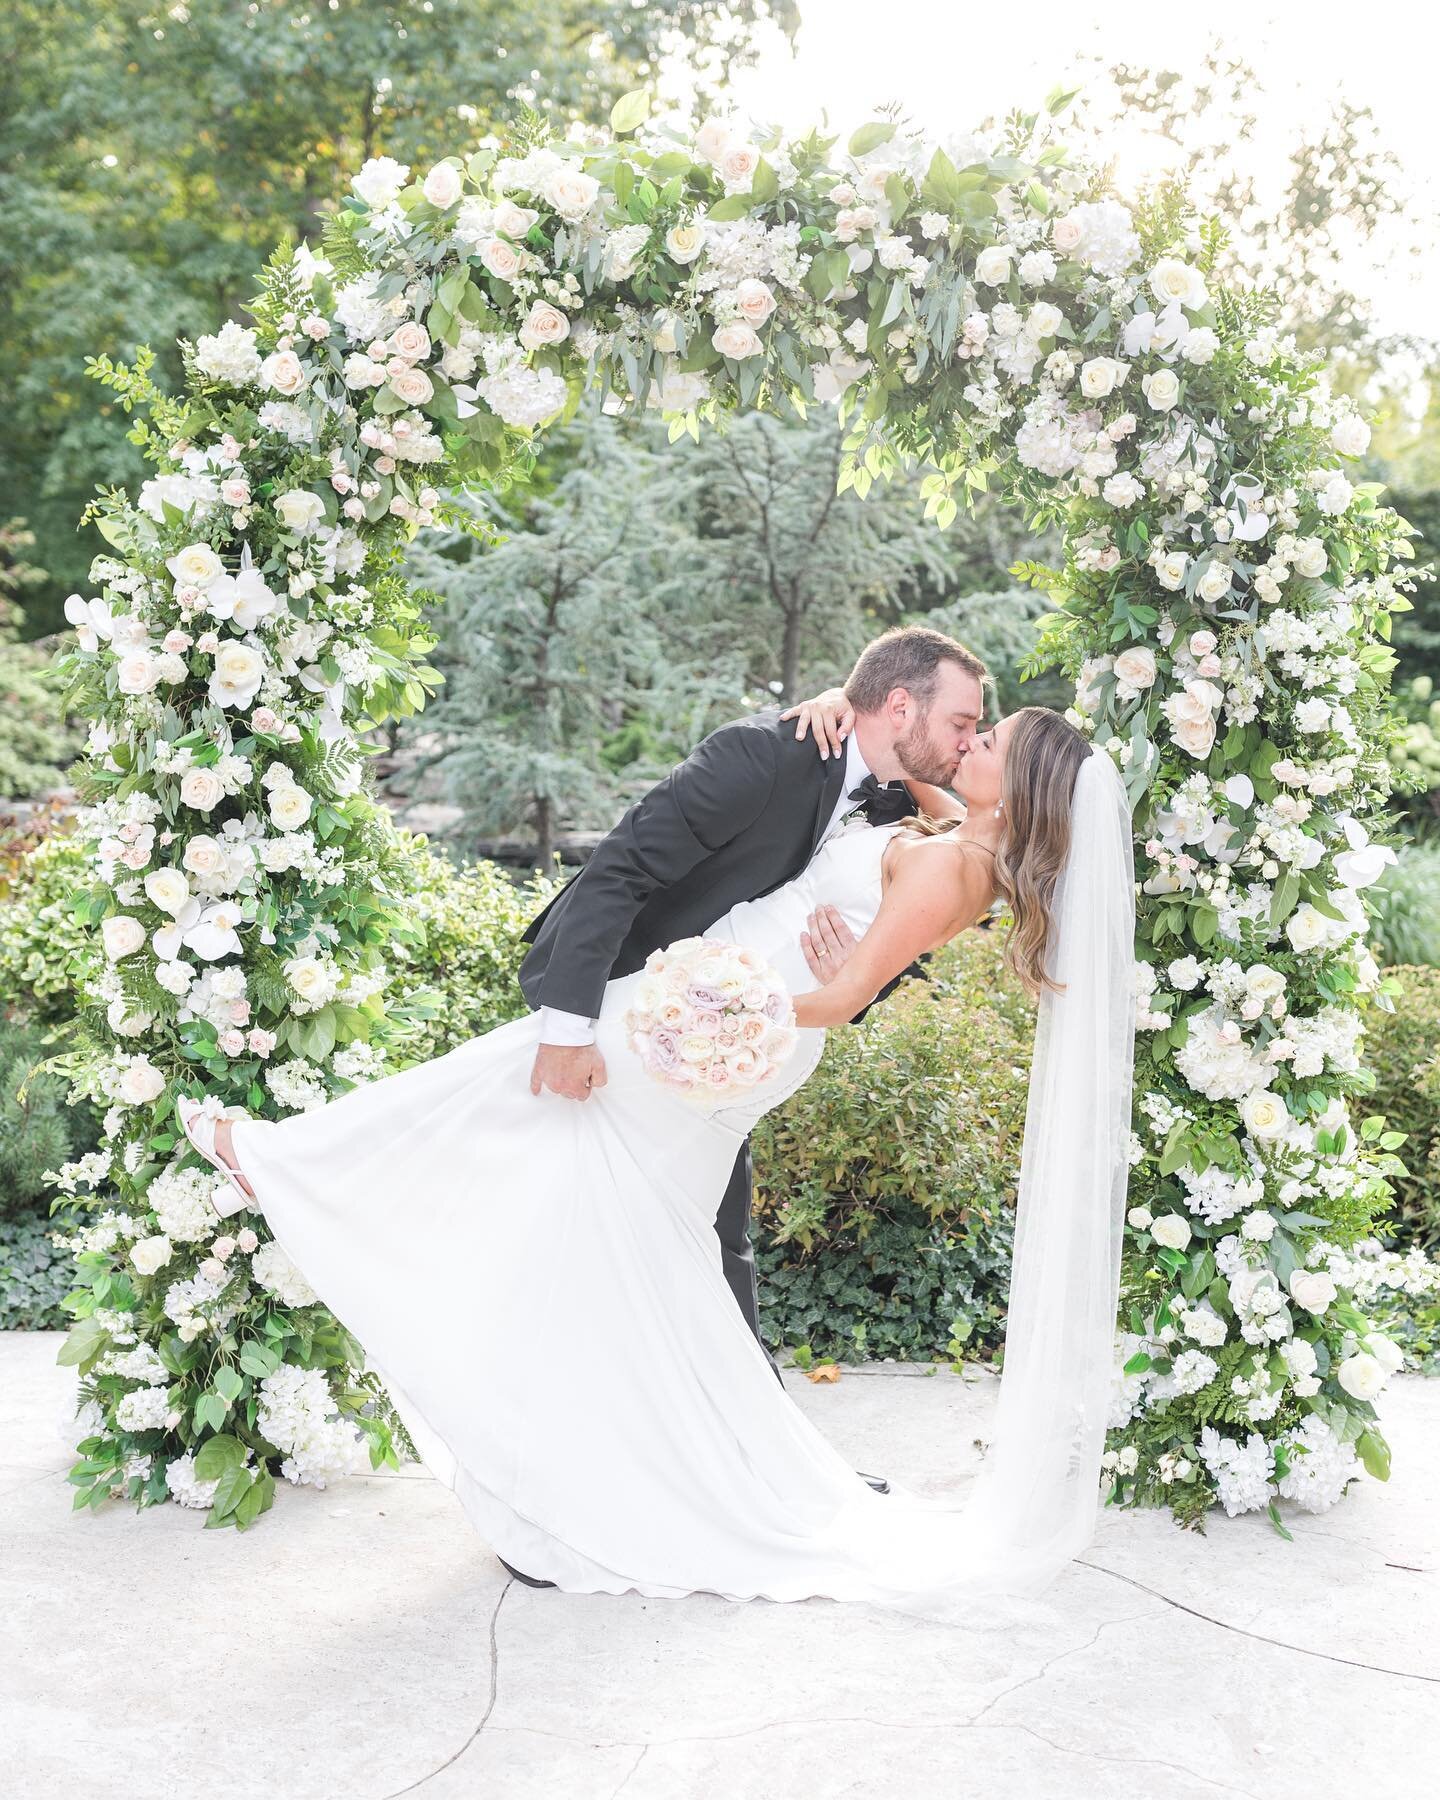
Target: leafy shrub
x=885 y=1187
x=1403 y=1048
x=34 y=1275
x=459 y=977
x=37 y=744
x=1406 y=920
x=41 y=944
x=38 y=1129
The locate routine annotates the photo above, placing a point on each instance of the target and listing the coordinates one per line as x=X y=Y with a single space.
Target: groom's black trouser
x=737 y=1255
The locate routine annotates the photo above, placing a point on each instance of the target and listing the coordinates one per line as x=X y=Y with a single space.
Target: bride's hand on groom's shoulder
x=829 y=715
x=828 y=944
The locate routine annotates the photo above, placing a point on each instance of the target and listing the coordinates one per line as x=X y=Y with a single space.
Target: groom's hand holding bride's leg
x=573 y=1070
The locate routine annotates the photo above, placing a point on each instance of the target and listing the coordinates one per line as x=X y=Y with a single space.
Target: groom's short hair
x=907 y=656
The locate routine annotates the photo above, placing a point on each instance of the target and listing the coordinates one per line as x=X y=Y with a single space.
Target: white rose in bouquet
x=1135 y=667
x=413 y=386
x=1190 y=714
x=1214 y=584
x=1350 y=436
x=754 y=301
x=204 y=858
x=1313 y=1289
x=1174 y=280
x=1170 y=570
x=1099 y=377
x=514 y=221
x=737 y=165
x=1161 y=387
x=138 y=672
x=411 y=340
x=1307 y=928
x=712 y=139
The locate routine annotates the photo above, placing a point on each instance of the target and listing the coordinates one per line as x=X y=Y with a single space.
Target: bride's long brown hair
x=1043 y=755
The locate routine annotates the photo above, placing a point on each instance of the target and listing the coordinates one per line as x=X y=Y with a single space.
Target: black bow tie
x=881 y=805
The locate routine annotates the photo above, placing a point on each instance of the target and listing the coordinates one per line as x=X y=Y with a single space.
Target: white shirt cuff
x=565 y=1029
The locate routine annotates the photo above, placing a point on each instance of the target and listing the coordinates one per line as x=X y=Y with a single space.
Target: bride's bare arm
x=936 y=889
x=935 y=802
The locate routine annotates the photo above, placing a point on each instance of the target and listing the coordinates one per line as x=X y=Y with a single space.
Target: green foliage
x=1403 y=1049
x=37 y=745
x=35 y=1275
x=459 y=979
x=38 y=1130
x=1406 y=903
x=166 y=161
x=1002 y=628
x=43 y=945
x=885 y=1187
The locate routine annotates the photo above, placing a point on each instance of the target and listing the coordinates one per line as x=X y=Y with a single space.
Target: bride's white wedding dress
x=538 y=1282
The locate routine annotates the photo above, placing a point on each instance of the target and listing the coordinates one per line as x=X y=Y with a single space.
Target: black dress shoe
x=878 y=1482
x=529 y=1580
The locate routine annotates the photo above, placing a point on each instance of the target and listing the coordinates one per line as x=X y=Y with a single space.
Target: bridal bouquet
x=710 y=1019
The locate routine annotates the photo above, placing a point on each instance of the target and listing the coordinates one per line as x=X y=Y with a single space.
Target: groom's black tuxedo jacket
x=741 y=816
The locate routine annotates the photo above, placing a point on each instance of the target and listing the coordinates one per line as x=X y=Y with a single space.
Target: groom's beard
x=921 y=757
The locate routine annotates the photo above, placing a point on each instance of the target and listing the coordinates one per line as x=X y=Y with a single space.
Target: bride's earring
x=999 y=808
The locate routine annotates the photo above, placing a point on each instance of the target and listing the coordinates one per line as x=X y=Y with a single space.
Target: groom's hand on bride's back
x=572 y=1070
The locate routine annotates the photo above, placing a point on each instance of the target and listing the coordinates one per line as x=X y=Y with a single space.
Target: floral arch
x=1224 y=602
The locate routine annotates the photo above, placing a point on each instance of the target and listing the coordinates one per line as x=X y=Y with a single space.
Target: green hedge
x=885 y=1188
x=1403 y=1048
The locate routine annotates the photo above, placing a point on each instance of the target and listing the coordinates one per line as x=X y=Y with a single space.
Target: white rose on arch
x=201 y=789
x=289 y=805
x=196 y=565
x=570 y=191
x=544 y=324
x=1172 y=280
x=443 y=186
x=1191 y=716
x=1135 y=669
x=121 y=935
x=683 y=243
x=238 y=673
x=1265 y=1114
x=283 y=372
x=737 y=340
x=299 y=510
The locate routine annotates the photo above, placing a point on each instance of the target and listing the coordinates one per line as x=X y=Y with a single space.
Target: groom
x=742 y=815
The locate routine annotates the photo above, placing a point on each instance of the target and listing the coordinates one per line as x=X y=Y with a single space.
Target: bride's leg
x=225 y=1150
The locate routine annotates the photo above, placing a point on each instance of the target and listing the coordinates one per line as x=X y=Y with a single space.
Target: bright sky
x=951 y=66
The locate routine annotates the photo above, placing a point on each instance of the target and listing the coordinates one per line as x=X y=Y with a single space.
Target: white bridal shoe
x=199 y=1127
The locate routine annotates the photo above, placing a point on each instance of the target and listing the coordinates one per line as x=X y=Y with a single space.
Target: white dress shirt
x=567 y=1029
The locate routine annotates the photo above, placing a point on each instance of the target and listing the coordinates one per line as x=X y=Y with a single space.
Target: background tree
x=151 y=158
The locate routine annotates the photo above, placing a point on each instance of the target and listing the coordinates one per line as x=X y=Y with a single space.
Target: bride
x=539 y=1283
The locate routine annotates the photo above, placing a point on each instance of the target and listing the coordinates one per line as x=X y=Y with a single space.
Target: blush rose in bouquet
x=710 y=1020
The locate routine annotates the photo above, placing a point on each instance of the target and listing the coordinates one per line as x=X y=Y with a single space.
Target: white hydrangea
x=181 y=1200
x=299 y=1415
x=230 y=355
x=523 y=397
x=277 y=1274
x=1243 y=1473
x=143 y=1409
x=1318 y=1466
